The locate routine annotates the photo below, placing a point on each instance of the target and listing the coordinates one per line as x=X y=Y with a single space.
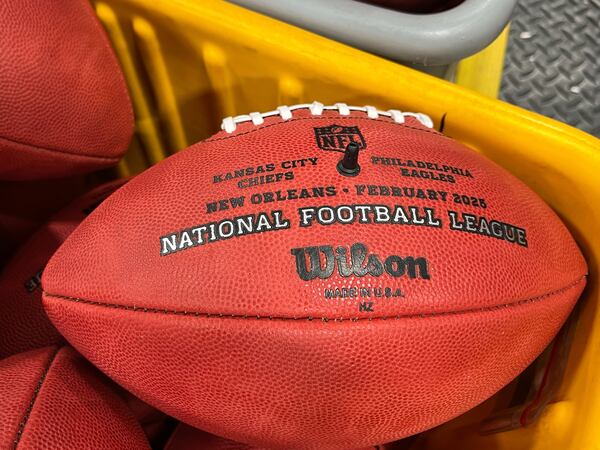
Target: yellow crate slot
x=220 y=78
x=290 y=90
x=482 y=72
x=146 y=126
x=153 y=60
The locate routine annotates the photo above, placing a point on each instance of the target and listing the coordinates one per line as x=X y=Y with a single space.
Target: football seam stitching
x=56 y=150
x=262 y=127
x=311 y=318
x=36 y=391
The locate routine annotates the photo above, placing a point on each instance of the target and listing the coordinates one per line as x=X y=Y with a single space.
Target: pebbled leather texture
x=64 y=103
x=189 y=438
x=53 y=398
x=24 y=324
x=228 y=337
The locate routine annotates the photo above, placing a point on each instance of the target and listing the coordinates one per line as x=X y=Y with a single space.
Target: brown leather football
x=317 y=277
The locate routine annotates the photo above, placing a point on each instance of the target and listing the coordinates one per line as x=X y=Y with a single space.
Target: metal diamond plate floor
x=553 y=61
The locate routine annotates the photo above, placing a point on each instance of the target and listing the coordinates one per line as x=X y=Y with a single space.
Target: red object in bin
x=64 y=103
x=54 y=398
x=23 y=322
x=248 y=287
x=416 y=6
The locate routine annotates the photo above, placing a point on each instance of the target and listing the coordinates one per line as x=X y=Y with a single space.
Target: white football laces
x=229 y=124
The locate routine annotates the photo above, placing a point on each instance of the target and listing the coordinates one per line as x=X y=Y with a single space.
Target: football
x=64 y=103
x=53 y=398
x=27 y=205
x=189 y=438
x=317 y=277
x=24 y=324
x=416 y=6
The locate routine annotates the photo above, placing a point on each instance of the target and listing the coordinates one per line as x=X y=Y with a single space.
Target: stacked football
x=63 y=102
x=65 y=111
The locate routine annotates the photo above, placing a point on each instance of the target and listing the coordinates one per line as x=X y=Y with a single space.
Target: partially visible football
x=24 y=324
x=317 y=277
x=63 y=100
x=185 y=437
x=416 y=6
x=52 y=398
x=27 y=205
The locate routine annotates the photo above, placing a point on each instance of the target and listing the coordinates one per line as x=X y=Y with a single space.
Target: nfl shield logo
x=337 y=137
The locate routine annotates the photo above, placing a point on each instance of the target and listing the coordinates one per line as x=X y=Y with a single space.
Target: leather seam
x=338 y=117
x=33 y=399
x=311 y=318
x=55 y=150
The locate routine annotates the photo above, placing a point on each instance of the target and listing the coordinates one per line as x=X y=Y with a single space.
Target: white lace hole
x=228 y=125
x=256 y=118
x=343 y=109
x=285 y=112
x=316 y=108
x=396 y=115
x=425 y=120
x=372 y=112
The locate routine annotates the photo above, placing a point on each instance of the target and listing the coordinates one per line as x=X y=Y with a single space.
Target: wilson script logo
x=322 y=261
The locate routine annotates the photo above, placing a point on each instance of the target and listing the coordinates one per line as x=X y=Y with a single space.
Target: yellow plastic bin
x=190 y=63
